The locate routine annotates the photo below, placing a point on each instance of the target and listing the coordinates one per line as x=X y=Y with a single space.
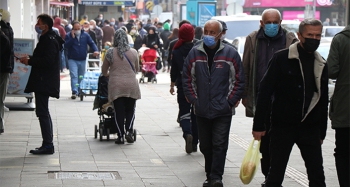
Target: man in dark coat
x=6 y=60
x=44 y=79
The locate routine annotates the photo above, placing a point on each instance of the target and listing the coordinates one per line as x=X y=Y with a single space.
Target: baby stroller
x=105 y=111
x=148 y=59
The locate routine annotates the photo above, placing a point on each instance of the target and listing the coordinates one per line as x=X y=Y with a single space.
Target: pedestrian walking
x=339 y=68
x=259 y=48
x=44 y=79
x=297 y=81
x=213 y=81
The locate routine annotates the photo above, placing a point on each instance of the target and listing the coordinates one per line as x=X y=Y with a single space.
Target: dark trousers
x=124 y=112
x=282 y=141
x=265 y=147
x=213 y=143
x=42 y=112
x=342 y=156
x=187 y=117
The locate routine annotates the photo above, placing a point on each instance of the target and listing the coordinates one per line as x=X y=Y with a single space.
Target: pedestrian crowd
x=281 y=80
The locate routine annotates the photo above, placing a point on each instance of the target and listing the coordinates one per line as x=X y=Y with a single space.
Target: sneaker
x=189 y=147
x=206 y=183
x=129 y=136
x=74 y=96
x=1 y=131
x=217 y=183
x=120 y=140
x=48 y=150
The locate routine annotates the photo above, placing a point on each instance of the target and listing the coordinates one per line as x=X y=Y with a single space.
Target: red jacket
x=57 y=24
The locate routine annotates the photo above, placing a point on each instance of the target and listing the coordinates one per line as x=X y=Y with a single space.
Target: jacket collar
x=201 y=47
x=293 y=53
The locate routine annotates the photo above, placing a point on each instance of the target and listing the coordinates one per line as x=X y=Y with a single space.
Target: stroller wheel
x=96 y=131
x=135 y=135
x=101 y=134
x=108 y=131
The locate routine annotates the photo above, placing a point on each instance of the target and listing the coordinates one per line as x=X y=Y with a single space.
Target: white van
x=240 y=24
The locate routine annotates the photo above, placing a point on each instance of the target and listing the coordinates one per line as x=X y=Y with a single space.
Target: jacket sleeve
x=99 y=33
x=237 y=80
x=267 y=87
x=246 y=64
x=174 y=66
x=69 y=40
x=188 y=76
x=323 y=102
x=333 y=59
x=91 y=43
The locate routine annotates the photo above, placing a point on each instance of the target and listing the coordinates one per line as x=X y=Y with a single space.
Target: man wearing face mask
x=99 y=33
x=44 y=79
x=213 y=82
x=92 y=34
x=297 y=81
x=259 y=47
x=77 y=42
x=113 y=24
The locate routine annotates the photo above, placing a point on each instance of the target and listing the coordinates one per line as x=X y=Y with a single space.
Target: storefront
x=63 y=9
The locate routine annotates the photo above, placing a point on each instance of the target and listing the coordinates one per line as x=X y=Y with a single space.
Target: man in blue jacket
x=213 y=81
x=76 y=42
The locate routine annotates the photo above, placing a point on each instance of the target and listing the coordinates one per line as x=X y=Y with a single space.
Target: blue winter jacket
x=77 y=50
x=213 y=93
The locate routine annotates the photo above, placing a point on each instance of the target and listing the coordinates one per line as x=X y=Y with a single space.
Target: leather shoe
x=129 y=136
x=216 y=183
x=43 y=150
x=206 y=183
x=120 y=140
x=1 y=131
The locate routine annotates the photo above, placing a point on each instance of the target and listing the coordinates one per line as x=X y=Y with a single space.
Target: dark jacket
x=150 y=41
x=213 y=93
x=164 y=36
x=5 y=53
x=45 y=74
x=339 y=68
x=284 y=82
x=77 y=50
x=93 y=37
x=99 y=35
x=179 y=56
x=7 y=29
x=251 y=58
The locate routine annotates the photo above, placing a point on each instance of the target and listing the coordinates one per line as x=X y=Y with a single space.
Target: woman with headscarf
x=186 y=115
x=151 y=40
x=121 y=64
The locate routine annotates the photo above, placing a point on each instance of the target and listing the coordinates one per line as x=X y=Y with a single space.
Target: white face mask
x=223 y=37
x=91 y=27
x=86 y=29
x=77 y=32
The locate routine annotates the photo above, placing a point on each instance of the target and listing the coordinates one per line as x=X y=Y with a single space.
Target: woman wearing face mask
x=107 y=46
x=136 y=37
x=152 y=39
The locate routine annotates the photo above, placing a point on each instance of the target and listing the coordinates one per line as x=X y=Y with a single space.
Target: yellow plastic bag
x=251 y=162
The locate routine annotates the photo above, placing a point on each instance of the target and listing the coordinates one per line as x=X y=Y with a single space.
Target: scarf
x=121 y=42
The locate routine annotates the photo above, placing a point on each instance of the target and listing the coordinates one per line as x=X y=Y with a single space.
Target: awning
x=61 y=3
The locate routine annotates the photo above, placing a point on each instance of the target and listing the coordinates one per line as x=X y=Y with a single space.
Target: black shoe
x=43 y=150
x=194 y=148
x=206 y=183
x=74 y=96
x=1 y=131
x=216 y=183
x=120 y=140
x=189 y=147
x=129 y=136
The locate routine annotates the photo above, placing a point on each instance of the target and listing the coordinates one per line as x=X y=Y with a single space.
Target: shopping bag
x=250 y=163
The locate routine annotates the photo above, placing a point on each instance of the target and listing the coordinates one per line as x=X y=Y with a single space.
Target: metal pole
x=314 y=9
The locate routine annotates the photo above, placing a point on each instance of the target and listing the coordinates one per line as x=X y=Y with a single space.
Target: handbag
x=250 y=163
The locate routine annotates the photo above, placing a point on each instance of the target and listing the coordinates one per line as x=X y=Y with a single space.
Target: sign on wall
x=205 y=12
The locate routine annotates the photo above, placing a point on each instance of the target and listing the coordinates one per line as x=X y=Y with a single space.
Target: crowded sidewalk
x=157 y=158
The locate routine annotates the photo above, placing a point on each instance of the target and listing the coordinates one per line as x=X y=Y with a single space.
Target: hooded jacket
x=250 y=61
x=338 y=68
x=61 y=30
x=45 y=62
x=213 y=93
x=284 y=82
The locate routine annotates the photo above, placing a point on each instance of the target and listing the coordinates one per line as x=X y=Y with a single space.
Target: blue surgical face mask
x=38 y=30
x=271 y=29
x=209 y=40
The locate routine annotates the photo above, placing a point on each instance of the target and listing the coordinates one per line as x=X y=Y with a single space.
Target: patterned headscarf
x=121 y=42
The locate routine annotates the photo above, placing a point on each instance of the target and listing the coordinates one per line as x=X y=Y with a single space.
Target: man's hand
x=244 y=101
x=72 y=33
x=24 y=60
x=172 y=90
x=155 y=46
x=258 y=134
x=236 y=105
x=96 y=53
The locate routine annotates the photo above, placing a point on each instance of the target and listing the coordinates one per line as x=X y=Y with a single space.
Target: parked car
x=323 y=49
x=330 y=31
x=239 y=42
x=291 y=25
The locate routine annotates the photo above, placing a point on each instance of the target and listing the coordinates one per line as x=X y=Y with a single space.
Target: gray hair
x=271 y=10
x=93 y=21
x=309 y=21
x=214 y=21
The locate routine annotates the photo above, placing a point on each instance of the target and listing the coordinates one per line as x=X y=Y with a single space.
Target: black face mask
x=310 y=45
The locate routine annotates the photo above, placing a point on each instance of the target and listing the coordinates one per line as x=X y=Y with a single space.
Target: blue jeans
x=63 y=60
x=76 y=69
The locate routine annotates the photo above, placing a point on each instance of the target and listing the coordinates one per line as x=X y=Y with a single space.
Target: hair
x=108 y=43
x=120 y=19
x=54 y=17
x=160 y=23
x=106 y=21
x=46 y=19
x=198 y=33
x=75 y=22
x=183 y=22
x=309 y=21
x=174 y=34
x=271 y=10
x=85 y=16
x=64 y=21
x=214 y=21
x=93 y=21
